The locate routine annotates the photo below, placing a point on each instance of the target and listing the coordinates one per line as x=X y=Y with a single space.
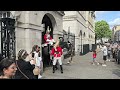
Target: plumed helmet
x=48 y=29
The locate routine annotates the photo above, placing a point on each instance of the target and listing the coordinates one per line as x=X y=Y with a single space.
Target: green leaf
x=102 y=30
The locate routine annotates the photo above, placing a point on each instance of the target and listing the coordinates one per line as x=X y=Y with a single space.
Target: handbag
x=36 y=70
x=21 y=71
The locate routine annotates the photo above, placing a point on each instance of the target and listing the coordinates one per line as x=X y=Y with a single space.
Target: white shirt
x=104 y=49
x=38 y=59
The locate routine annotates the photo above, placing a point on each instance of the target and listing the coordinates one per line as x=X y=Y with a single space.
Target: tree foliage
x=109 y=34
x=102 y=30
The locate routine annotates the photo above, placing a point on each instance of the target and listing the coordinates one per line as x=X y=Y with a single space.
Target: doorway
x=45 y=51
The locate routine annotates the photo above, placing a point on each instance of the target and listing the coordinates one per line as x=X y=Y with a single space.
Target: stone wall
x=29 y=28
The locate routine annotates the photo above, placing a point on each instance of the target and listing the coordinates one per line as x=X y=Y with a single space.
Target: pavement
x=81 y=68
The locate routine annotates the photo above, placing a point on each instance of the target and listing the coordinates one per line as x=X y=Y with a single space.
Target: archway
x=48 y=20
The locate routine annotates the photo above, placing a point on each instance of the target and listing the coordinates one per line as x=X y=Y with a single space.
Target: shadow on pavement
x=116 y=72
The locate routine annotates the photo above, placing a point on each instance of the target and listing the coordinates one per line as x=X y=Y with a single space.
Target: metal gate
x=8 y=37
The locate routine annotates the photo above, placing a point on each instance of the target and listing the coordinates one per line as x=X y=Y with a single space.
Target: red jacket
x=94 y=55
x=57 y=53
x=47 y=37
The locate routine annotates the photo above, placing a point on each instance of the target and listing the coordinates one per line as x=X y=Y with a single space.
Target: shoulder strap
x=21 y=71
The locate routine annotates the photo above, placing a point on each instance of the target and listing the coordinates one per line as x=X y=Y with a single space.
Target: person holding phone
x=25 y=68
x=36 y=55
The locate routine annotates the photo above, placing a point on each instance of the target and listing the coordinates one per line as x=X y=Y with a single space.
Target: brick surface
x=81 y=68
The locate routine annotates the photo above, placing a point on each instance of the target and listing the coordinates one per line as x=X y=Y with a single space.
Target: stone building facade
x=31 y=26
x=116 y=33
x=81 y=23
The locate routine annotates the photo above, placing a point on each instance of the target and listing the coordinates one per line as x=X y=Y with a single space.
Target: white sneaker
x=68 y=62
x=98 y=64
x=39 y=76
x=104 y=65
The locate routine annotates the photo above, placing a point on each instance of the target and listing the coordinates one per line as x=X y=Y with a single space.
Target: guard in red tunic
x=48 y=39
x=57 y=53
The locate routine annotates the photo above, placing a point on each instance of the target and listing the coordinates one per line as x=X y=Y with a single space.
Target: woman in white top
x=37 y=57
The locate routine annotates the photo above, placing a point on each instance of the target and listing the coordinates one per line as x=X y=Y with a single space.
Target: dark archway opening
x=46 y=20
x=45 y=52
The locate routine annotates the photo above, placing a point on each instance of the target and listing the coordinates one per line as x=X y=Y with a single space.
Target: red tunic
x=57 y=53
x=47 y=36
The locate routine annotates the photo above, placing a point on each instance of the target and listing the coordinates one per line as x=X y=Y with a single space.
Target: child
x=94 y=58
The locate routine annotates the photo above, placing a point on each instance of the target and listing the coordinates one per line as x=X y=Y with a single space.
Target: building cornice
x=61 y=12
x=82 y=15
x=70 y=17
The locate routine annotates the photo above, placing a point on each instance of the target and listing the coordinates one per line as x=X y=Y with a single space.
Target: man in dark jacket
x=118 y=56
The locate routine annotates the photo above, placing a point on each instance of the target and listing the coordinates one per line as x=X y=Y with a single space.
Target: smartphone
x=33 y=55
x=38 y=54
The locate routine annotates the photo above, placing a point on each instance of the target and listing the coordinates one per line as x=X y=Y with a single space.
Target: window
x=89 y=35
x=8 y=14
x=5 y=14
x=84 y=34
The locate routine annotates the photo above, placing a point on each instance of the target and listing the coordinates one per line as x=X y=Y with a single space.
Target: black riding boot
x=56 y=67
x=118 y=61
x=53 y=68
x=61 y=68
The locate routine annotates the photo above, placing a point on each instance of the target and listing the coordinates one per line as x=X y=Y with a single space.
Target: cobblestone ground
x=81 y=68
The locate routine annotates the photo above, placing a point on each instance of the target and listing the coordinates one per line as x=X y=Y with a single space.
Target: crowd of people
x=111 y=51
x=30 y=65
x=24 y=66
